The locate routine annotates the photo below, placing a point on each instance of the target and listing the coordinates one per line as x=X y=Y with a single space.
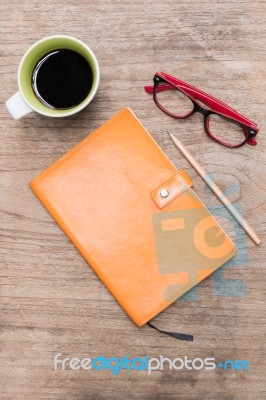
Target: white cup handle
x=17 y=106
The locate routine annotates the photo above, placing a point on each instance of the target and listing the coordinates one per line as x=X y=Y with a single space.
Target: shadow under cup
x=35 y=53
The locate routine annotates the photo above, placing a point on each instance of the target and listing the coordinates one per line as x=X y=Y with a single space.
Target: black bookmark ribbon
x=181 y=336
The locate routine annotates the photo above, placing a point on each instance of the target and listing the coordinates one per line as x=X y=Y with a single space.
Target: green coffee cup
x=25 y=100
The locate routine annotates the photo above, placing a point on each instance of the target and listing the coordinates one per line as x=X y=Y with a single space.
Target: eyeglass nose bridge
x=201 y=110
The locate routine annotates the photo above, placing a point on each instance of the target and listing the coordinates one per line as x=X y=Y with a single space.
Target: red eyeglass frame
x=215 y=107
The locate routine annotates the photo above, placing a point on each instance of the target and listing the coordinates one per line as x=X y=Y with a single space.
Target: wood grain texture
x=51 y=301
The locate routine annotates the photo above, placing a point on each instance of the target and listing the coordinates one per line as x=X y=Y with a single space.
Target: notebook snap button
x=164 y=193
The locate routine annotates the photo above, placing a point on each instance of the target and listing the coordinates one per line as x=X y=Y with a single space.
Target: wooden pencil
x=216 y=190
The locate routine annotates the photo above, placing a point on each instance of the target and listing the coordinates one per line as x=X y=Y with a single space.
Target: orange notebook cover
x=133 y=216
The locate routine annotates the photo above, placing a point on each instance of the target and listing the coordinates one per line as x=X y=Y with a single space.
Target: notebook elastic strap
x=181 y=336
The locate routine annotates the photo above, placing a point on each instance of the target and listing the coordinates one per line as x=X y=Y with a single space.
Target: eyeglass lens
x=173 y=101
x=225 y=130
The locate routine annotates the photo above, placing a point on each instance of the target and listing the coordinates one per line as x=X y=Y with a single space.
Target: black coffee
x=62 y=79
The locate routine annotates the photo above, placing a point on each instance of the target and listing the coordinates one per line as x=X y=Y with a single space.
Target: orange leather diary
x=133 y=216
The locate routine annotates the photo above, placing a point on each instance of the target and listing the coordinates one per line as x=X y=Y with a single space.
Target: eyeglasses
x=222 y=123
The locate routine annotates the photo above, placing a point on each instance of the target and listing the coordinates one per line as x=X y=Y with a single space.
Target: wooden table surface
x=51 y=301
